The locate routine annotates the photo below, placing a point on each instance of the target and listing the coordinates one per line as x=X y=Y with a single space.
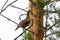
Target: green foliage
x=59 y=13
x=57 y=33
x=29 y=37
x=24 y=35
x=50 y=18
x=42 y=3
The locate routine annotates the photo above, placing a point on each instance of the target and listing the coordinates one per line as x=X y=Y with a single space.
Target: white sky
x=7 y=28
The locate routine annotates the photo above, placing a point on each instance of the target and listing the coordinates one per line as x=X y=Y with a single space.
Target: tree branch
x=7 y=6
x=46 y=24
x=4 y=5
x=18 y=8
x=32 y=2
x=52 y=11
x=53 y=33
x=9 y=19
x=21 y=15
x=53 y=25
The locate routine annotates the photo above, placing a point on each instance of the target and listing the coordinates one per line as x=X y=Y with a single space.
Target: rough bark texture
x=37 y=17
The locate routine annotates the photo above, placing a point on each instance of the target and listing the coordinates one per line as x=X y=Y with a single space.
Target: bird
x=24 y=23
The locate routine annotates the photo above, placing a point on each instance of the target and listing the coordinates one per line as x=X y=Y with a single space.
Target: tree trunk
x=37 y=17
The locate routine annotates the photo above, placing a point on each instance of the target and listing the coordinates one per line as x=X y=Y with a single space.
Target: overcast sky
x=7 y=28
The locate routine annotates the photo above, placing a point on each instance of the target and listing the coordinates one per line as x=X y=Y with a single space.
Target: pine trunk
x=37 y=17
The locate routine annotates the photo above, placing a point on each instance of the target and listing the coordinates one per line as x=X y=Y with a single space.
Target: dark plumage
x=24 y=23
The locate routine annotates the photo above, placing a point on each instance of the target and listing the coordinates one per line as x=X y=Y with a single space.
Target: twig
x=22 y=33
x=53 y=33
x=50 y=34
x=4 y=5
x=7 y=6
x=10 y=4
x=52 y=11
x=53 y=25
x=46 y=24
x=18 y=8
x=9 y=19
x=32 y=2
x=21 y=15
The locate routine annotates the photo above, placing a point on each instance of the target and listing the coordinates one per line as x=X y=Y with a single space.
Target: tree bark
x=37 y=17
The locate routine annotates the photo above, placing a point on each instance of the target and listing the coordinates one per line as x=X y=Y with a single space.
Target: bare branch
x=52 y=11
x=53 y=33
x=53 y=25
x=25 y=14
x=10 y=4
x=21 y=15
x=7 y=6
x=22 y=33
x=9 y=19
x=56 y=0
x=32 y=2
x=46 y=24
x=18 y=8
x=50 y=34
x=4 y=5
x=19 y=36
